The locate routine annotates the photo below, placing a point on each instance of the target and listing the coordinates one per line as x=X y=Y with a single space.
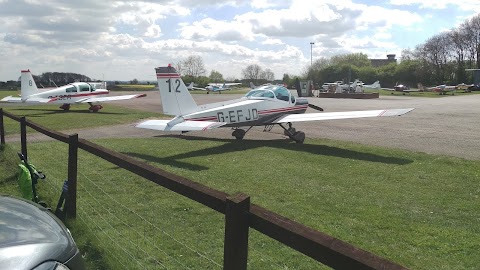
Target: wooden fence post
x=23 y=136
x=2 y=128
x=71 y=200
x=235 y=253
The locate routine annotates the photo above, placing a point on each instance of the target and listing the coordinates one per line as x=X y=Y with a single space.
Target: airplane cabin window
x=282 y=93
x=84 y=88
x=71 y=89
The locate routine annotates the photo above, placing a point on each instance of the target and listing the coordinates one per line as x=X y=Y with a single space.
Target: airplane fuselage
x=70 y=93
x=249 y=112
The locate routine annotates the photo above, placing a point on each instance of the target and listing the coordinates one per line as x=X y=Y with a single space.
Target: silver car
x=31 y=237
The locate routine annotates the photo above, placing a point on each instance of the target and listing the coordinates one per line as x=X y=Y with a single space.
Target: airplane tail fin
x=190 y=86
x=376 y=85
x=28 y=86
x=176 y=99
x=252 y=86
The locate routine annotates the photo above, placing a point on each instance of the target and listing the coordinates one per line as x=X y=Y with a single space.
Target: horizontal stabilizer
x=182 y=126
x=110 y=98
x=341 y=115
x=11 y=99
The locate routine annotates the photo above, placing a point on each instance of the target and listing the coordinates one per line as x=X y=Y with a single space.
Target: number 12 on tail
x=177 y=85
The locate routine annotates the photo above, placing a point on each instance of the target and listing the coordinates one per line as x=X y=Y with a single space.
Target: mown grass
x=418 y=210
x=78 y=117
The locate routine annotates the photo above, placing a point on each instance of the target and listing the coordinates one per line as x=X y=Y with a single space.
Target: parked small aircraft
x=74 y=93
x=213 y=87
x=441 y=89
x=267 y=106
x=375 y=85
x=404 y=89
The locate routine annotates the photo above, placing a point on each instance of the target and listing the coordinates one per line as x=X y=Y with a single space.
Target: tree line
x=193 y=69
x=50 y=79
x=442 y=59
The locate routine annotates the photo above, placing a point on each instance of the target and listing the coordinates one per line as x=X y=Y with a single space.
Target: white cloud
x=439 y=4
x=272 y=41
x=124 y=39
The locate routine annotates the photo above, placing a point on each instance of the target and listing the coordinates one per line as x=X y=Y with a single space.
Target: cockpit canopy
x=80 y=87
x=271 y=91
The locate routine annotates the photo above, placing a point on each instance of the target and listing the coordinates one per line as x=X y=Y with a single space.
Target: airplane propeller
x=315 y=107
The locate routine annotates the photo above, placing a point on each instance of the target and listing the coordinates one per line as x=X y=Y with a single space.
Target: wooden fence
x=240 y=214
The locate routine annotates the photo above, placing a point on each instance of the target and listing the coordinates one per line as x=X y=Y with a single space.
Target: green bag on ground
x=25 y=182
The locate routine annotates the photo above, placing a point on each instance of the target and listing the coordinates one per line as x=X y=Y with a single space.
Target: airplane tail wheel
x=289 y=130
x=238 y=133
x=299 y=137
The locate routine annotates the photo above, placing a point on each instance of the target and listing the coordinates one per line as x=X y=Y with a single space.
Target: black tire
x=299 y=137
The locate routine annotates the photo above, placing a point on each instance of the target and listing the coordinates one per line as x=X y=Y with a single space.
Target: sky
x=126 y=40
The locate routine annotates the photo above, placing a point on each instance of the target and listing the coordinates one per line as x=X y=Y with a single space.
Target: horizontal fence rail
x=240 y=214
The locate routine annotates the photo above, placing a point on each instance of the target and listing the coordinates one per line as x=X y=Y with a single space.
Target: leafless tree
x=267 y=75
x=192 y=66
x=436 y=52
x=459 y=39
x=252 y=72
x=472 y=32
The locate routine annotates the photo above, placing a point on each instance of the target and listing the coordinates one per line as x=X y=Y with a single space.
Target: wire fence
x=138 y=224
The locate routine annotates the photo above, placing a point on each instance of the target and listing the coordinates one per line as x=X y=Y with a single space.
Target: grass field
x=418 y=210
x=78 y=117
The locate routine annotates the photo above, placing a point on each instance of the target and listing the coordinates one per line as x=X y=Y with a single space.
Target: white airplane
x=375 y=85
x=213 y=87
x=267 y=106
x=402 y=88
x=441 y=89
x=74 y=93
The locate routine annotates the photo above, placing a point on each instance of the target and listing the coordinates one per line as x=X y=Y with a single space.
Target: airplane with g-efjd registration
x=73 y=93
x=267 y=105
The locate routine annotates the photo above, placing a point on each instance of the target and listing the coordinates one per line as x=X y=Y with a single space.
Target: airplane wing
x=222 y=84
x=28 y=100
x=182 y=126
x=341 y=115
x=110 y=98
x=198 y=88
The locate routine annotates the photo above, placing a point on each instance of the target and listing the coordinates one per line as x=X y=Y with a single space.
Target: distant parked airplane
x=74 y=93
x=375 y=85
x=213 y=87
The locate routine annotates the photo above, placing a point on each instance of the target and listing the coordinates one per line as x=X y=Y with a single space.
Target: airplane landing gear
x=238 y=133
x=65 y=107
x=94 y=108
x=293 y=134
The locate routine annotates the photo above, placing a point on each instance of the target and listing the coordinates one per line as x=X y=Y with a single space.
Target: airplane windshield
x=270 y=91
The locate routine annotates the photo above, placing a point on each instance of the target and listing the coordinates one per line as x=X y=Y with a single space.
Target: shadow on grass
x=231 y=145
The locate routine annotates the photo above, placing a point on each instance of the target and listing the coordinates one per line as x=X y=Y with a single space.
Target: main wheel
x=299 y=137
x=238 y=133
